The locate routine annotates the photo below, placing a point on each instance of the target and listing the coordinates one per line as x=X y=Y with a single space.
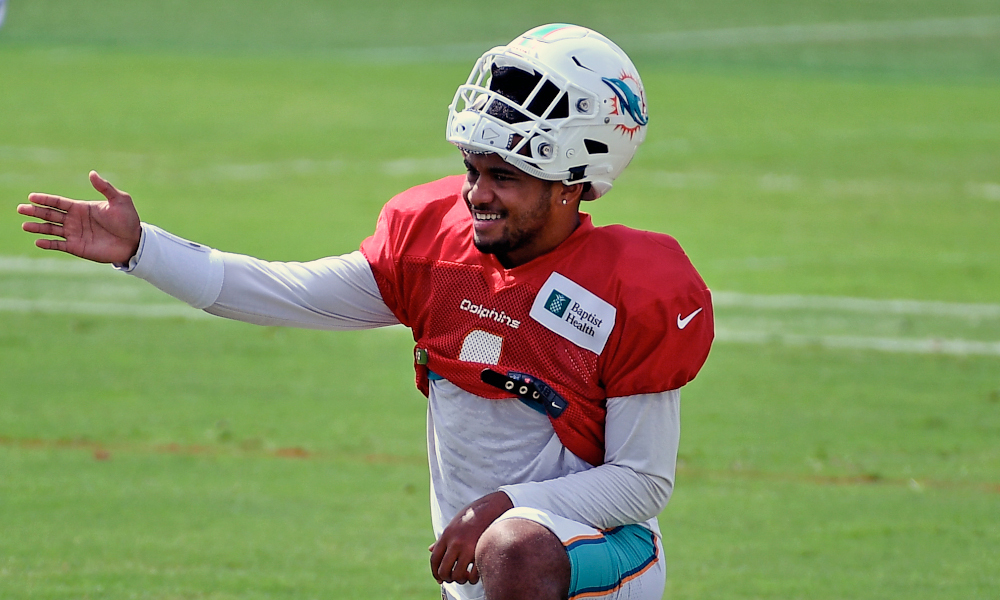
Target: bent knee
x=514 y=544
x=519 y=558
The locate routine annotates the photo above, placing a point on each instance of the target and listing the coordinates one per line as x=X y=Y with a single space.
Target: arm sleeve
x=337 y=293
x=634 y=484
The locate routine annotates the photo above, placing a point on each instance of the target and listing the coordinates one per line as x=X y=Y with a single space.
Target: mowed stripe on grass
x=102 y=451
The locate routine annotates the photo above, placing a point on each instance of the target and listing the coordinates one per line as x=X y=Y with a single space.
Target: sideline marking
x=108 y=309
x=74 y=266
x=55 y=266
x=277 y=169
x=727 y=37
x=853 y=31
x=18 y=265
x=859 y=305
x=952 y=347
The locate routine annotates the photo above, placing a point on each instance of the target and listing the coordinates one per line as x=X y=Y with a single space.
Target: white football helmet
x=560 y=102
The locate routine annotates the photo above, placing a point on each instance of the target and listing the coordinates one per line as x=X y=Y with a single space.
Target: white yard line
x=39 y=268
x=957 y=347
x=881 y=344
x=858 y=31
x=68 y=266
x=438 y=166
x=727 y=37
x=244 y=172
x=857 y=305
x=108 y=309
x=54 y=266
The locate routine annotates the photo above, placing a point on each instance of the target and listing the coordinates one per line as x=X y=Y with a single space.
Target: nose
x=480 y=192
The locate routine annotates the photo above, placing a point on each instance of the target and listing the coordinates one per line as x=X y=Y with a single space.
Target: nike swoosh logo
x=682 y=323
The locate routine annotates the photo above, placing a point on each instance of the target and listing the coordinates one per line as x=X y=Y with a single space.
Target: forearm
x=337 y=293
x=634 y=484
x=604 y=497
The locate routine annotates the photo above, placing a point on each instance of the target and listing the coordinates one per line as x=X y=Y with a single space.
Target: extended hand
x=453 y=555
x=106 y=231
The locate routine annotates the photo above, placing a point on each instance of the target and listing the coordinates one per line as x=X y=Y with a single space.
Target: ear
x=569 y=194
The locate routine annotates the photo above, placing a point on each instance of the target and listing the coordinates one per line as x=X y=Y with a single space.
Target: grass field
x=832 y=168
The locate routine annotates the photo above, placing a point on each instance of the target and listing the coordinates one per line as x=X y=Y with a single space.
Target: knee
x=517 y=541
x=522 y=550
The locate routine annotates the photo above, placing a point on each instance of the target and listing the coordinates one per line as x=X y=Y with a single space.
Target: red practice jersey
x=611 y=312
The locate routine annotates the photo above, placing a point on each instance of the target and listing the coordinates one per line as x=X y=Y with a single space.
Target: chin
x=494 y=247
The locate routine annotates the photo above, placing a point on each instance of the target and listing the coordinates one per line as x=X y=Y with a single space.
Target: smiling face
x=516 y=217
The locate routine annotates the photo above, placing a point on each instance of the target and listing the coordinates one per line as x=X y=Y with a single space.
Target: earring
x=564 y=201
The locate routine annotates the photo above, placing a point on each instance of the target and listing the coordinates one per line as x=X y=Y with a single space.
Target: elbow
x=660 y=489
x=649 y=496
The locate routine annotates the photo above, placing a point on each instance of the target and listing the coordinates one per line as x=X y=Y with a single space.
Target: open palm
x=103 y=231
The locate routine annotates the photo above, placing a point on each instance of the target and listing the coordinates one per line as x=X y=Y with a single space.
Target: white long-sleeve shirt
x=475 y=446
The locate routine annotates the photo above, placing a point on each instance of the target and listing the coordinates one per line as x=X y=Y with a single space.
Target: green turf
x=196 y=458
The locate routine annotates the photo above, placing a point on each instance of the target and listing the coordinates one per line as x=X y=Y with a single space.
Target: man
x=551 y=351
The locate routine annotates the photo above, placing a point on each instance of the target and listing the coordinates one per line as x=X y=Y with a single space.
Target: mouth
x=487 y=224
x=486 y=216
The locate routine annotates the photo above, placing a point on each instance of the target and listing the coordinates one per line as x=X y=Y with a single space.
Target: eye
x=504 y=175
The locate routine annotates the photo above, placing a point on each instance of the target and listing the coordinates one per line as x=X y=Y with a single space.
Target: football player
x=551 y=351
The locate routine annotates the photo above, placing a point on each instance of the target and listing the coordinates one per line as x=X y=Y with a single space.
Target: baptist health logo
x=557 y=303
x=571 y=312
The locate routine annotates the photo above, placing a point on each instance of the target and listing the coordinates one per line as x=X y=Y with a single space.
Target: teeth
x=487 y=216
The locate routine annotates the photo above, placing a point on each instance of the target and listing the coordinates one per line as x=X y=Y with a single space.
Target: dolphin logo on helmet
x=630 y=101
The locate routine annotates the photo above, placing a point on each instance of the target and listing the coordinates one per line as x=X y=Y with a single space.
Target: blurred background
x=831 y=167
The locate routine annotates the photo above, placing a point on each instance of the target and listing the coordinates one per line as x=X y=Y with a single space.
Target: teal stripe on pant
x=600 y=565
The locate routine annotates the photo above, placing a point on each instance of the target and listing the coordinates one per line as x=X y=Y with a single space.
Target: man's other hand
x=105 y=231
x=453 y=556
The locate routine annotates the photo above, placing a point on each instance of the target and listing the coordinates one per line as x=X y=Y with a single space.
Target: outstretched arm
x=335 y=293
x=105 y=231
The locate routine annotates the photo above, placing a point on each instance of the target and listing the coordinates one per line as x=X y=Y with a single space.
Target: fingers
x=46 y=244
x=110 y=193
x=462 y=572
x=452 y=565
x=43 y=228
x=41 y=212
x=56 y=202
x=52 y=219
x=104 y=186
x=437 y=553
